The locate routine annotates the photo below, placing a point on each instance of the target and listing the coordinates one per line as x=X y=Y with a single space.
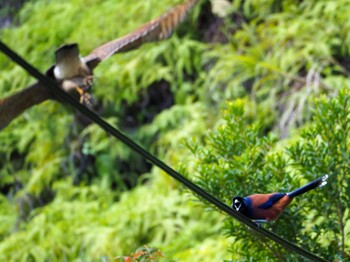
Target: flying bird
x=75 y=73
x=266 y=207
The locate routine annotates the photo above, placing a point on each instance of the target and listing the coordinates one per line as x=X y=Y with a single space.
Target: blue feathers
x=272 y=200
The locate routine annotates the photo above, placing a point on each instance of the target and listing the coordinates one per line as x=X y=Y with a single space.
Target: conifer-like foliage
x=229 y=164
x=253 y=102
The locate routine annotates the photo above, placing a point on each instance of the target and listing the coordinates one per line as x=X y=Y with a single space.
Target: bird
x=267 y=207
x=74 y=73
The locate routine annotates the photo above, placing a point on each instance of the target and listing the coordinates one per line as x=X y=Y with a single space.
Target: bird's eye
x=237 y=204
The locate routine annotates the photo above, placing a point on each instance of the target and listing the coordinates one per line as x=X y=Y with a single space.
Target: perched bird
x=75 y=73
x=266 y=207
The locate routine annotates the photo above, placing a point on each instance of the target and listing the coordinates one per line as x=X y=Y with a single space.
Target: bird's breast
x=71 y=68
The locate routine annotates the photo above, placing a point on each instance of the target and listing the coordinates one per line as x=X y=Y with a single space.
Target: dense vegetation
x=256 y=101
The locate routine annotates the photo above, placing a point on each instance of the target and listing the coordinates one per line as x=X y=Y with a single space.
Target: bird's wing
x=157 y=29
x=272 y=200
x=16 y=104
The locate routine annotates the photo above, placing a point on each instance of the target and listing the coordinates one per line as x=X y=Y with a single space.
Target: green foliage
x=324 y=148
x=118 y=81
x=238 y=159
x=54 y=152
x=71 y=192
x=284 y=55
x=86 y=222
x=229 y=164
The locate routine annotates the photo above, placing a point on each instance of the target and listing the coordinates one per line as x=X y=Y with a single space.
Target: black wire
x=54 y=88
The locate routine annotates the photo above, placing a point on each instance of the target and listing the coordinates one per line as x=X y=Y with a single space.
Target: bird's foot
x=259 y=222
x=79 y=88
x=87 y=83
x=85 y=97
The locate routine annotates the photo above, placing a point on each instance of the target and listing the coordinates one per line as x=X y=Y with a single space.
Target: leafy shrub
x=238 y=159
x=279 y=56
x=87 y=223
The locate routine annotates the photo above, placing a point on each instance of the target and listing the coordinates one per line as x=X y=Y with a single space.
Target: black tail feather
x=314 y=184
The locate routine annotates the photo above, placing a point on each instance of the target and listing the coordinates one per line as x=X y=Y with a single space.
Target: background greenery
x=256 y=101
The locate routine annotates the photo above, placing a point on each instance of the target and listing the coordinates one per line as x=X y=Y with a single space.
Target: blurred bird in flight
x=75 y=73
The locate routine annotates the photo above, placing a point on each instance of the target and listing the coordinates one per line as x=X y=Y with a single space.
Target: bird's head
x=239 y=204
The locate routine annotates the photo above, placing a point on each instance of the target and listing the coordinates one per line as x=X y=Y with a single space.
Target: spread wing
x=157 y=29
x=273 y=198
x=14 y=105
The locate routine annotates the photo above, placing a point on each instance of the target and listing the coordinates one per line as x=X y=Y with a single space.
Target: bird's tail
x=314 y=184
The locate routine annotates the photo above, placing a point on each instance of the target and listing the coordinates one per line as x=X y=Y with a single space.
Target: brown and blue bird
x=266 y=207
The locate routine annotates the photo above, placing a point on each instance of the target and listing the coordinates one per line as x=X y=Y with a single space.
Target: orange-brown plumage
x=274 y=211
